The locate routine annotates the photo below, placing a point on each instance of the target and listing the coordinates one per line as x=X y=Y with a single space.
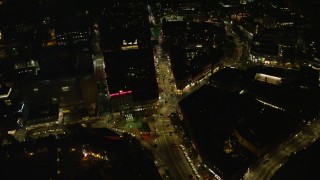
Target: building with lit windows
x=272 y=46
x=234 y=119
x=131 y=78
x=72 y=31
x=74 y=37
x=124 y=26
x=43 y=114
x=122 y=101
x=174 y=30
x=15 y=34
x=125 y=40
x=195 y=55
x=249 y=25
x=26 y=68
x=74 y=96
x=192 y=63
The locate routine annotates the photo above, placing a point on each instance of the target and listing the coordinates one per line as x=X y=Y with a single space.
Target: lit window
x=65 y=88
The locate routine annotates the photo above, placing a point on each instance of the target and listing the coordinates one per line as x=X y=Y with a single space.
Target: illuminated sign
x=125 y=43
x=65 y=88
x=268 y=78
x=120 y=93
x=172 y=18
x=129 y=47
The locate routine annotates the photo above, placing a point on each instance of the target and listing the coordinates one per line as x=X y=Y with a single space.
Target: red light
x=120 y=93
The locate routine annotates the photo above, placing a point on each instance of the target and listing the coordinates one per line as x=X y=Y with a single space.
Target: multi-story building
x=72 y=31
x=195 y=57
x=126 y=44
x=272 y=46
x=192 y=63
x=131 y=71
x=26 y=68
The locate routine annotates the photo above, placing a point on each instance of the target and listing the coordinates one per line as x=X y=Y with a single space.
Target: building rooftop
x=132 y=70
x=230 y=78
x=43 y=111
x=210 y=117
x=191 y=60
x=234 y=103
x=86 y=154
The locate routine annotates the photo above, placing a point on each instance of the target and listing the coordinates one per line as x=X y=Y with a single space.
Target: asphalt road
x=177 y=167
x=269 y=164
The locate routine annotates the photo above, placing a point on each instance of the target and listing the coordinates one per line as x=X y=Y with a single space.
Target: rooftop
x=43 y=112
x=132 y=70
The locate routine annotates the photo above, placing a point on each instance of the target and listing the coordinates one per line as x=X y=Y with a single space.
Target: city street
x=177 y=166
x=268 y=165
x=190 y=89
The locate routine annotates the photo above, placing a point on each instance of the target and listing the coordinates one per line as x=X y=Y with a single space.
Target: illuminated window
x=268 y=78
x=65 y=89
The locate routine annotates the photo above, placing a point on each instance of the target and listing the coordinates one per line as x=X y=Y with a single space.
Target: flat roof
x=132 y=71
x=44 y=111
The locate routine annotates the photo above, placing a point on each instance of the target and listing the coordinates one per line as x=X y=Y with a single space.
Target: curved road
x=268 y=165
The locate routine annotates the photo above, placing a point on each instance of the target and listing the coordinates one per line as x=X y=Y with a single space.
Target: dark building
x=74 y=30
x=79 y=154
x=234 y=115
x=292 y=90
x=195 y=56
x=76 y=98
x=11 y=106
x=272 y=46
x=210 y=116
x=205 y=33
x=250 y=25
x=264 y=46
x=174 y=31
x=132 y=71
x=58 y=62
x=122 y=101
x=17 y=34
x=42 y=45
x=44 y=113
x=191 y=64
x=126 y=43
x=124 y=26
